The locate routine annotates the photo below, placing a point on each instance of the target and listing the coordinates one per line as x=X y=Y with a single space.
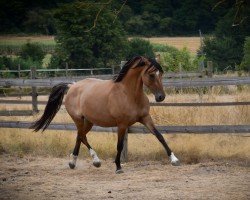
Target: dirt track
x=50 y=178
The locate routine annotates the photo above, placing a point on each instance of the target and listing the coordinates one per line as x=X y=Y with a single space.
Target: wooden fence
x=168 y=83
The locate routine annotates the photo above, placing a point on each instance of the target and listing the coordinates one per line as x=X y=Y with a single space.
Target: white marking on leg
x=96 y=160
x=174 y=160
x=72 y=162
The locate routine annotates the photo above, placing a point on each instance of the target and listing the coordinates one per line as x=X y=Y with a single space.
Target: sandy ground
x=50 y=178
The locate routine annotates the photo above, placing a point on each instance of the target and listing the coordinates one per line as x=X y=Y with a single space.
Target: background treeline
x=94 y=34
x=141 y=17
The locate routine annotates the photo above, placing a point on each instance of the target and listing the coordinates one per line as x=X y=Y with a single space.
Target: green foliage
x=245 y=64
x=40 y=21
x=164 y=48
x=11 y=63
x=83 y=45
x=56 y=62
x=139 y=46
x=172 y=59
x=32 y=51
x=226 y=48
x=147 y=17
x=224 y=52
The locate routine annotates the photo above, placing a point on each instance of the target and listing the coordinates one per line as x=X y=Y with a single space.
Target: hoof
x=176 y=163
x=119 y=171
x=97 y=164
x=72 y=165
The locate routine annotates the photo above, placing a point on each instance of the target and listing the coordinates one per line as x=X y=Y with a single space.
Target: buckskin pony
x=120 y=103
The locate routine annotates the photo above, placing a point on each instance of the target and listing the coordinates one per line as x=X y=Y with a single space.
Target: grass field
x=17 y=40
x=192 y=43
x=191 y=148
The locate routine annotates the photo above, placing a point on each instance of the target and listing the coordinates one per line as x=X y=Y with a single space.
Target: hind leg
x=96 y=160
x=83 y=127
x=73 y=156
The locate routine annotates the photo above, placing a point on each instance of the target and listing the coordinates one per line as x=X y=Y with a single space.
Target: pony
x=120 y=103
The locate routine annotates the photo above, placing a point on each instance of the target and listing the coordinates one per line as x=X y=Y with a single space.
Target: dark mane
x=125 y=68
x=155 y=64
x=129 y=63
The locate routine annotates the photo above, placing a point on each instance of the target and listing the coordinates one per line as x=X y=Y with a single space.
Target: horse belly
x=96 y=109
x=99 y=116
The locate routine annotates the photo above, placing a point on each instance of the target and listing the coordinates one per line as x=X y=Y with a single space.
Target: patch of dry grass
x=189 y=148
x=192 y=43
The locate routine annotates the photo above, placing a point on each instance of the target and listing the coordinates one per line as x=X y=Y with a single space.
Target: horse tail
x=52 y=107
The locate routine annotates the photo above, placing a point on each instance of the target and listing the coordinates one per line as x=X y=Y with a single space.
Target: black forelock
x=155 y=64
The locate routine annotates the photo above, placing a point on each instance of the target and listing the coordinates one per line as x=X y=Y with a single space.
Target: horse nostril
x=160 y=98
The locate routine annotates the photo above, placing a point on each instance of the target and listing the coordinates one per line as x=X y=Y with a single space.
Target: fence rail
x=3 y=101
x=140 y=129
x=180 y=83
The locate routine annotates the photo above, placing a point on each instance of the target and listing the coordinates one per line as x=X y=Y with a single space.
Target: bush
x=141 y=47
x=171 y=58
x=32 y=51
x=8 y=63
x=245 y=64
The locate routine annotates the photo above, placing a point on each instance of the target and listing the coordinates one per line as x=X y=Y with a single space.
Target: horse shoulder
x=143 y=106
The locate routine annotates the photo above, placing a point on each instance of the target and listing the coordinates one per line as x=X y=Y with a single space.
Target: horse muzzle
x=159 y=97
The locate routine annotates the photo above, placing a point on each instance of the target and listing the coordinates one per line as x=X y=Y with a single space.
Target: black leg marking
x=77 y=146
x=118 y=156
x=162 y=141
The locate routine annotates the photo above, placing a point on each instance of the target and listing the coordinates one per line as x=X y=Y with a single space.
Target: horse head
x=152 y=78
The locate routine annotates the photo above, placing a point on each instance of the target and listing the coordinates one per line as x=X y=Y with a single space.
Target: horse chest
x=130 y=113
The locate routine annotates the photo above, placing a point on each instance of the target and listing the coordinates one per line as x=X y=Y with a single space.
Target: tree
x=40 y=21
x=88 y=36
x=139 y=46
x=245 y=64
x=226 y=47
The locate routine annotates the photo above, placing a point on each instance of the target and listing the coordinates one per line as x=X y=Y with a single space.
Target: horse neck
x=133 y=83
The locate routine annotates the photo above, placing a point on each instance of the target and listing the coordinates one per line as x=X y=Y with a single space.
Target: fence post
x=158 y=58
x=66 y=68
x=202 y=69
x=180 y=73
x=34 y=91
x=122 y=63
x=113 y=69
x=209 y=68
x=124 y=154
x=19 y=70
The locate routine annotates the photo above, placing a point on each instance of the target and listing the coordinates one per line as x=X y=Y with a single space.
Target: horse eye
x=151 y=76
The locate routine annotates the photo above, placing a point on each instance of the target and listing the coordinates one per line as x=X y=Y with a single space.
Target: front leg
x=148 y=122
x=121 y=134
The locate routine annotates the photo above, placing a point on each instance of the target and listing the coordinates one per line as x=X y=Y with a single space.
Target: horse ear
x=141 y=63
